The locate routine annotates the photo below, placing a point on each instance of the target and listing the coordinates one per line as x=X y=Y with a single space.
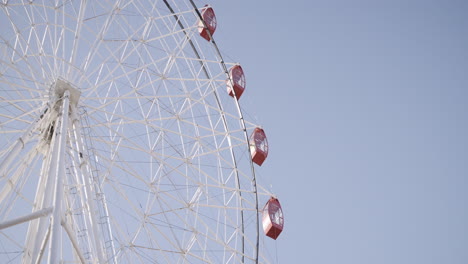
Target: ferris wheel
x=122 y=138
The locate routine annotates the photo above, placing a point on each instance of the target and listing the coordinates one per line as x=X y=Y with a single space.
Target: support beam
x=73 y=240
x=43 y=246
x=26 y=218
x=38 y=229
x=89 y=192
x=17 y=147
x=57 y=171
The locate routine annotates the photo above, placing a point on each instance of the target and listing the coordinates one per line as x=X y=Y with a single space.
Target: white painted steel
x=71 y=236
x=26 y=218
x=57 y=171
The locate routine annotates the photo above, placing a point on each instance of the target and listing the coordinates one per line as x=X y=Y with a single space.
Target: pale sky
x=365 y=107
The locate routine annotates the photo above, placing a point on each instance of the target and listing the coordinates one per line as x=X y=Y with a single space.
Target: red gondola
x=273 y=219
x=258 y=146
x=209 y=17
x=236 y=79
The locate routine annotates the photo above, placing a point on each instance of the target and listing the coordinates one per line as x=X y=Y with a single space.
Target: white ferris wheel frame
x=63 y=107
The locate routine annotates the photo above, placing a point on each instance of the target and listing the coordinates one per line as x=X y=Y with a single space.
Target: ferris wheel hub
x=58 y=90
x=49 y=117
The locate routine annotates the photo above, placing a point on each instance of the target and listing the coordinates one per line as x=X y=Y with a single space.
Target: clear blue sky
x=365 y=107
